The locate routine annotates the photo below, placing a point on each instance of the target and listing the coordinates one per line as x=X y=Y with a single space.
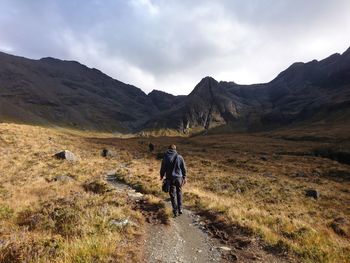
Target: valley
x=249 y=189
x=59 y=93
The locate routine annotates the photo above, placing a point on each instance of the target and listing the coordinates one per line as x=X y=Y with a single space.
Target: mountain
x=305 y=92
x=66 y=93
x=163 y=100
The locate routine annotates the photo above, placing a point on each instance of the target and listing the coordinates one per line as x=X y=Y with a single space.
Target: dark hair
x=172 y=146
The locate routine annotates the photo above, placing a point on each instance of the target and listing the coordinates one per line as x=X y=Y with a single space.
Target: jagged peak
x=208 y=78
x=204 y=85
x=155 y=91
x=206 y=81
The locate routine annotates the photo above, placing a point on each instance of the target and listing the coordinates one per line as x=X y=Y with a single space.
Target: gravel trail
x=182 y=242
x=187 y=240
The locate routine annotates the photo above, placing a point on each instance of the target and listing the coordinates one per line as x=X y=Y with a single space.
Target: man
x=151 y=147
x=174 y=168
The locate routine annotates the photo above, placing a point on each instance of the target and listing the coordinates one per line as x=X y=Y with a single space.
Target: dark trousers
x=176 y=193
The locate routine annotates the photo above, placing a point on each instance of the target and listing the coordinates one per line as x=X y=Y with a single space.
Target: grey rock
x=312 y=193
x=119 y=223
x=225 y=248
x=263 y=158
x=108 y=153
x=300 y=174
x=66 y=155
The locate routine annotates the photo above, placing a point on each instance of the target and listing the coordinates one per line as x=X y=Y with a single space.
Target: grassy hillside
x=49 y=210
x=255 y=182
x=258 y=184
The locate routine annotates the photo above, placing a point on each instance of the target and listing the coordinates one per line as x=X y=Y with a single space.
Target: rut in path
x=185 y=240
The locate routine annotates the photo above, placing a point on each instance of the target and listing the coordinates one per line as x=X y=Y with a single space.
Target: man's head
x=172 y=147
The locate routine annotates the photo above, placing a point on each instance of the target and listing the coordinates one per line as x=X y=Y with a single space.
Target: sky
x=171 y=45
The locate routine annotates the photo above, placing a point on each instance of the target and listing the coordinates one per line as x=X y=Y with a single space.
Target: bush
x=5 y=212
x=62 y=216
x=97 y=187
x=31 y=247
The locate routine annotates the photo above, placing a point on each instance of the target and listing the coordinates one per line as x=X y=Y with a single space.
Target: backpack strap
x=174 y=162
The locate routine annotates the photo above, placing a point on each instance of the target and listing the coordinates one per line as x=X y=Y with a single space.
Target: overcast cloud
x=170 y=45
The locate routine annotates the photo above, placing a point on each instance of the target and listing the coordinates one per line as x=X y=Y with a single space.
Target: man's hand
x=184 y=181
x=161 y=178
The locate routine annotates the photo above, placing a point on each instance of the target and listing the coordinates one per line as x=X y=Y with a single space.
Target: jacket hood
x=170 y=152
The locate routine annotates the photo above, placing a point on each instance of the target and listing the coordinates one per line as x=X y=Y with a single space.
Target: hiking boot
x=180 y=212
x=175 y=213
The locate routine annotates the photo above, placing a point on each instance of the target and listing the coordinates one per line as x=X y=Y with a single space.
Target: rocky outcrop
x=303 y=93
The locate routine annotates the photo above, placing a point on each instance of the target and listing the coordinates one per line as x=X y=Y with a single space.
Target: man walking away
x=151 y=147
x=174 y=168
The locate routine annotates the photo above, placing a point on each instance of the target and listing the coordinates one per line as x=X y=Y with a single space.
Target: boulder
x=107 y=153
x=312 y=193
x=66 y=155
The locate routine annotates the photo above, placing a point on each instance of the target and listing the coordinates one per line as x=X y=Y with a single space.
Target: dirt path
x=183 y=241
x=187 y=239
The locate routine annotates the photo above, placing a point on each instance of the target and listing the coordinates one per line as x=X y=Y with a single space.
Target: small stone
x=300 y=174
x=263 y=158
x=225 y=248
x=111 y=173
x=119 y=223
x=312 y=193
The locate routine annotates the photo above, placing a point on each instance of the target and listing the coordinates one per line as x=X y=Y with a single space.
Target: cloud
x=170 y=45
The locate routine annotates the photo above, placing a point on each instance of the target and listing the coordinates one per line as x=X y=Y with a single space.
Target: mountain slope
x=65 y=93
x=314 y=91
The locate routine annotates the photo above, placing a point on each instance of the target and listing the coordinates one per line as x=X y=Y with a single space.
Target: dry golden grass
x=259 y=183
x=42 y=219
x=256 y=181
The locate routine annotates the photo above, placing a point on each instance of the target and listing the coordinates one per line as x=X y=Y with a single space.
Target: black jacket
x=179 y=169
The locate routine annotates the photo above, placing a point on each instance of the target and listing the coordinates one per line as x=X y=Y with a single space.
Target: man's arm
x=183 y=167
x=162 y=169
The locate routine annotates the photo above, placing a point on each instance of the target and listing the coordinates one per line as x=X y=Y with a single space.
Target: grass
x=255 y=181
x=43 y=219
x=258 y=182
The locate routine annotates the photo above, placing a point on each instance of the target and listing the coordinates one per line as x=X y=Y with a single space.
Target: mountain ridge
x=51 y=91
